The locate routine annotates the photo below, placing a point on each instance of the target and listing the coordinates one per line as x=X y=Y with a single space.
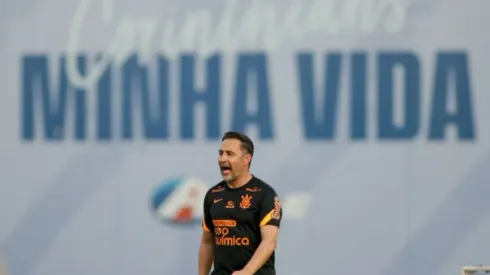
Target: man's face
x=232 y=161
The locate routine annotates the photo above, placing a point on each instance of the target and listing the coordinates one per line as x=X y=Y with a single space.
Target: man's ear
x=248 y=158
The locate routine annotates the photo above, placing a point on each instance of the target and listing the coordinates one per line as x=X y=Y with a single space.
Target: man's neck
x=240 y=181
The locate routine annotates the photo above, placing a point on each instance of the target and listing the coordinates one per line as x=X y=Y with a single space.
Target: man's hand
x=241 y=272
x=205 y=253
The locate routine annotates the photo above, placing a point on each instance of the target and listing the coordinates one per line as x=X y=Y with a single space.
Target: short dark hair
x=247 y=144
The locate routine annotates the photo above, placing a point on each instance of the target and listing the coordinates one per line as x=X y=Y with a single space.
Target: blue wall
x=370 y=120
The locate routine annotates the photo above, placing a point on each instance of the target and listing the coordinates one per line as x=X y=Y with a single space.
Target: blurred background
x=370 y=119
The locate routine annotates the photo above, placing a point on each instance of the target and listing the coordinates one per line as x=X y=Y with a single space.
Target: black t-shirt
x=235 y=216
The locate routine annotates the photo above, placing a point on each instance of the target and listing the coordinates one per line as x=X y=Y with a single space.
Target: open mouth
x=225 y=168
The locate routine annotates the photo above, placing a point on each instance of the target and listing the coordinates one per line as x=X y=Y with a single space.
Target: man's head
x=235 y=155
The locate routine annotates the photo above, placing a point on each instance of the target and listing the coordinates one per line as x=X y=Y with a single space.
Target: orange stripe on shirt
x=267 y=218
x=204 y=226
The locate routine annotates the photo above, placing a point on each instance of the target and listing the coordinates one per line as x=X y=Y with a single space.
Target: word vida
x=256 y=24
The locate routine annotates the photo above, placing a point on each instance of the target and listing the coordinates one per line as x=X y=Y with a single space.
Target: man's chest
x=241 y=207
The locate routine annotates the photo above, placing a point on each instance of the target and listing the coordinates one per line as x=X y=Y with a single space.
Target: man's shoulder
x=258 y=185
x=217 y=188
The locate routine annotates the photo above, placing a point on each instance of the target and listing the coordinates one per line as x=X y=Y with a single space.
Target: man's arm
x=265 y=249
x=271 y=213
x=205 y=253
x=205 y=260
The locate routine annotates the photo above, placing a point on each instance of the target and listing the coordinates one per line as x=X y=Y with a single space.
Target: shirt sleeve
x=270 y=209
x=207 y=222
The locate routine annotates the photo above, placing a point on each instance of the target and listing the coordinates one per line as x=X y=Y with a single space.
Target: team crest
x=246 y=201
x=276 y=212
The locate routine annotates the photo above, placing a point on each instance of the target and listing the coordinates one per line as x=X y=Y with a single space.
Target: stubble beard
x=231 y=178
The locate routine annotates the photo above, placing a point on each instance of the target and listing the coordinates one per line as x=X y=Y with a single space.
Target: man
x=242 y=215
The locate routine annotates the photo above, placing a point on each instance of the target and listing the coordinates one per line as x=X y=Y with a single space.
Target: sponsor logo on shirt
x=223 y=236
x=276 y=212
x=218 y=189
x=254 y=189
x=230 y=204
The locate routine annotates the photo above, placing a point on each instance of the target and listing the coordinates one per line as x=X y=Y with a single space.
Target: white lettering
x=258 y=25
